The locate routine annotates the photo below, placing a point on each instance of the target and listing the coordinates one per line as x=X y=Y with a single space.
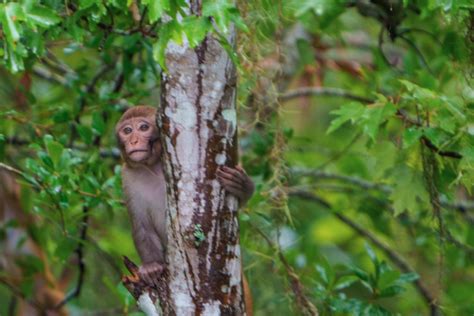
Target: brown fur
x=145 y=194
x=136 y=111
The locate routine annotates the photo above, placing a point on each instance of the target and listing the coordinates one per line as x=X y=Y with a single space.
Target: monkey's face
x=138 y=136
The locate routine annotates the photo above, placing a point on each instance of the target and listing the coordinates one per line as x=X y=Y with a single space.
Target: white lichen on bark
x=199 y=122
x=146 y=305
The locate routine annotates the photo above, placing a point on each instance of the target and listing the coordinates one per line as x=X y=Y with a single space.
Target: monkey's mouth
x=137 y=151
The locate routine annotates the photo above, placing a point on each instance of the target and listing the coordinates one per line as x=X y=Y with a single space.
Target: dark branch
x=113 y=153
x=446 y=153
x=322 y=91
x=459 y=206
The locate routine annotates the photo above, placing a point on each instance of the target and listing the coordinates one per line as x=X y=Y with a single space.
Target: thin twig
x=47 y=75
x=323 y=91
x=452 y=154
x=418 y=52
x=464 y=247
x=340 y=153
x=113 y=153
x=460 y=206
x=19 y=293
x=11 y=169
x=306 y=306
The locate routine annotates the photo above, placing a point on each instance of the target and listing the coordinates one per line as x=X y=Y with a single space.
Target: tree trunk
x=198 y=124
x=197 y=118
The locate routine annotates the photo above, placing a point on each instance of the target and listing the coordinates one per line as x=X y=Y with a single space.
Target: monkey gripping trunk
x=198 y=121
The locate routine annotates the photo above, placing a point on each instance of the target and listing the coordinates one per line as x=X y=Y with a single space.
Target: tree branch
x=397 y=259
x=113 y=153
x=323 y=91
x=146 y=295
x=304 y=303
x=460 y=206
x=336 y=92
x=428 y=143
x=47 y=75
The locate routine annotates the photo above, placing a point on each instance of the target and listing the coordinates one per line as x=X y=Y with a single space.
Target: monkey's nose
x=133 y=140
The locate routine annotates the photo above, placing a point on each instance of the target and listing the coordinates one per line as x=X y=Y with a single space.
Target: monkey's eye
x=144 y=127
x=127 y=130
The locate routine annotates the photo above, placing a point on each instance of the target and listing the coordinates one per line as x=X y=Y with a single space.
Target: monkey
x=144 y=187
x=18 y=245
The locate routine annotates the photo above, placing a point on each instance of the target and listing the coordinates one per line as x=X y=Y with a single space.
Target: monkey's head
x=137 y=136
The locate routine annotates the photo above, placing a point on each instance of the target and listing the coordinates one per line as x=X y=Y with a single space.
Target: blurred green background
x=356 y=123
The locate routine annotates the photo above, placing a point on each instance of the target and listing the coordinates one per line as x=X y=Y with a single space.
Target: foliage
x=364 y=180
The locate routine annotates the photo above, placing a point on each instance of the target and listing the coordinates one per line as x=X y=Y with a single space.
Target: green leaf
x=54 y=149
x=436 y=135
x=345 y=282
x=65 y=247
x=46 y=160
x=164 y=36
x=408 y=190
x=196 y=29
x=98 y=123
x=411 y=136
x=322 y=273
x=220 y=10
x=237 y=20
x=84 y=4
x=468 y=154
x=9 y=15
x=375 y=115
x=391 y=291
x=349 y=112
x=14 y=58
x=427 y=98
x=85 y=133
x=156 y=8
x=371 y=254
x=387 y=278
x=61 y=116
x=408 y=277
x=30 y=264
x=43 y=16
x=361 y=274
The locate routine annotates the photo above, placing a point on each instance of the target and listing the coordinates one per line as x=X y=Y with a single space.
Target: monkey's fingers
x=238 y=173
x=145 y=275
x=157 y=276
x=233 y=189
x=151 y=273
x=222 y=175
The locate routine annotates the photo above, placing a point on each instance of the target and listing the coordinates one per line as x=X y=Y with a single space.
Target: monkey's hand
x=237 y=182
x=151 y=272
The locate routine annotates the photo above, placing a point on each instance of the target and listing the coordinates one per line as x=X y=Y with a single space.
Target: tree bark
x=197 y=119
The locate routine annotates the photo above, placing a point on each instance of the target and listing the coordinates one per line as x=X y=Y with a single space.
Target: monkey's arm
x=149 y=248
x=237 y=182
